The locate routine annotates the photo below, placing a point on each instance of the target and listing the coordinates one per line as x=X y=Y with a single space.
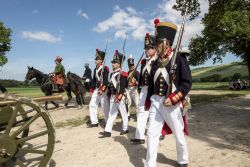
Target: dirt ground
x=219 y=136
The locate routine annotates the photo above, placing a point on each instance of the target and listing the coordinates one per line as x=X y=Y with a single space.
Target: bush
x=237 y=76
x=211 y=78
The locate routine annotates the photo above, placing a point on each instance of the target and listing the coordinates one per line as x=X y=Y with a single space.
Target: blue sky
x=43 y=29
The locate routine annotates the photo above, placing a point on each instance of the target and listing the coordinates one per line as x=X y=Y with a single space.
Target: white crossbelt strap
x=113 y=80
x=163 y=72
x=97 y=73
x=147 y=67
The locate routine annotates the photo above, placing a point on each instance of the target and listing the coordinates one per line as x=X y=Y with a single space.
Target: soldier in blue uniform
x=98 y=89
x=116 y=91
x=166 y=108
x=142 y=115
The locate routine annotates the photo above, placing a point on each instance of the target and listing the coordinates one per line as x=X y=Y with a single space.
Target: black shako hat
x=118 y=57
x=131 y=61
x=99 y=54
x=165 y=31
x=149 y=41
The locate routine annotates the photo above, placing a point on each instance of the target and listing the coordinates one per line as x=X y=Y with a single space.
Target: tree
x=226 y=30
x=5 y=34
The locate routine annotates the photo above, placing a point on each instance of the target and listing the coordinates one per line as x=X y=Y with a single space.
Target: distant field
x=226 y=70
x=210 y=86
x=26 y=91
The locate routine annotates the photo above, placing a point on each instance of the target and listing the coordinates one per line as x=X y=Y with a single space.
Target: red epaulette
x=125 y=74
x=143 y=61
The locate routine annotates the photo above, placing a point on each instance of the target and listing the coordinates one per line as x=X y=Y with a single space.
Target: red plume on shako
x=156 y=21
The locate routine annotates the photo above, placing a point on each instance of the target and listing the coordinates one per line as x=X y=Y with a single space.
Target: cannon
x=27 y=134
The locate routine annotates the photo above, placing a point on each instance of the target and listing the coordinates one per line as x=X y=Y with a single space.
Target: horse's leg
x=69 y=98
x=46 y=105
x=82 y=99
x=78 y=101
x=55 y=104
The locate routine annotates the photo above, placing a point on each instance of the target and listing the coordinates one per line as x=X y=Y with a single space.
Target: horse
x=45 y=82
x=77 y=86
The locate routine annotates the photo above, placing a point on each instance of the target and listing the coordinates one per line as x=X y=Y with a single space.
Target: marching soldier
x=133 y=81
x=99 y=89
x=166 y=108
x=116 y=91
x=142 y=115
x=58 y=74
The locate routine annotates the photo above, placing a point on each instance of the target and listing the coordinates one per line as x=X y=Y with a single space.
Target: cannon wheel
x=15 y=139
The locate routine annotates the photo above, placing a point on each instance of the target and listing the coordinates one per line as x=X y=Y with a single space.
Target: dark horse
x=77 y=85
x=44 y=80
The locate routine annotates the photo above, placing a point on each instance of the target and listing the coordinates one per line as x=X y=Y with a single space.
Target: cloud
x=40 y=36
x=166 y=13
x=35 y=11
x=124 y=21
x=82 y=14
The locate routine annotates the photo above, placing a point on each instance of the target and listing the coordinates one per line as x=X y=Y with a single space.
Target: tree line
x=7 y=83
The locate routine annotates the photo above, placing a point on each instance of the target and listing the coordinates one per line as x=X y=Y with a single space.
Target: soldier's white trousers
x=114 y=107
x=142 y=115
x=173 y=117
x=93 y=106
x=132 y=94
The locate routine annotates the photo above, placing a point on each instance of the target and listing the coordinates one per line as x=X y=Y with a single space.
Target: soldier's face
x=162 y=48
x=98 y=61
x=115 y=66
x=150 y=52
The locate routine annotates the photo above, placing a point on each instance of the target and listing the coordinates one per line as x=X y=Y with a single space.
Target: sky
x=44 y=29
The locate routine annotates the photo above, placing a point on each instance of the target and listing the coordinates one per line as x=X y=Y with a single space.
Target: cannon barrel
x=36 y=99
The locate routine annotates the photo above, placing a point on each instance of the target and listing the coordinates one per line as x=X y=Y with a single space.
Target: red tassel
x=156 y=21
x=116 y=51
x=97 y=49
x=147 y=34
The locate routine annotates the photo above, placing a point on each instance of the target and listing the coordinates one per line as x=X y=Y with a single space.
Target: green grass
x=218 y=95
x=71 y=122
x=210 y=86
x=226 y=70
x=26 y=91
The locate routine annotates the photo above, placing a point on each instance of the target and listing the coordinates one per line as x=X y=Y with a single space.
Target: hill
x=220 y=72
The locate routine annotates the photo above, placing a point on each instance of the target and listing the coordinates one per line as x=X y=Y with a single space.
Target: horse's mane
x=75 y=76
x=38 y=71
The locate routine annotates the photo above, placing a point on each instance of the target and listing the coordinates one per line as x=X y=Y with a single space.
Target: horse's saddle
x=58 y=79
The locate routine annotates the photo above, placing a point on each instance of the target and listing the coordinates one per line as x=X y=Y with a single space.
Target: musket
x=132 y=72
x=123 y=59
x=103 y=63
x=176 y=52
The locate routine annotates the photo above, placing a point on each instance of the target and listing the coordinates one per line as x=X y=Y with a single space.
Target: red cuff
x=147 y=104
x=91 y=90
x=175 y=97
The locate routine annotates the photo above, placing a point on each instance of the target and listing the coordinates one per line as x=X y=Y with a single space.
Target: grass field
x=26 y=91
x=225 y=70
x=202 y=92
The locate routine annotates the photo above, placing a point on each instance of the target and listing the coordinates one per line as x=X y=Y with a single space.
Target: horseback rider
x=58 y=74
x=87 y=78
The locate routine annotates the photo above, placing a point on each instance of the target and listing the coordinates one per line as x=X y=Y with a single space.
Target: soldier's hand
x=100 y=92
x=167 y=102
